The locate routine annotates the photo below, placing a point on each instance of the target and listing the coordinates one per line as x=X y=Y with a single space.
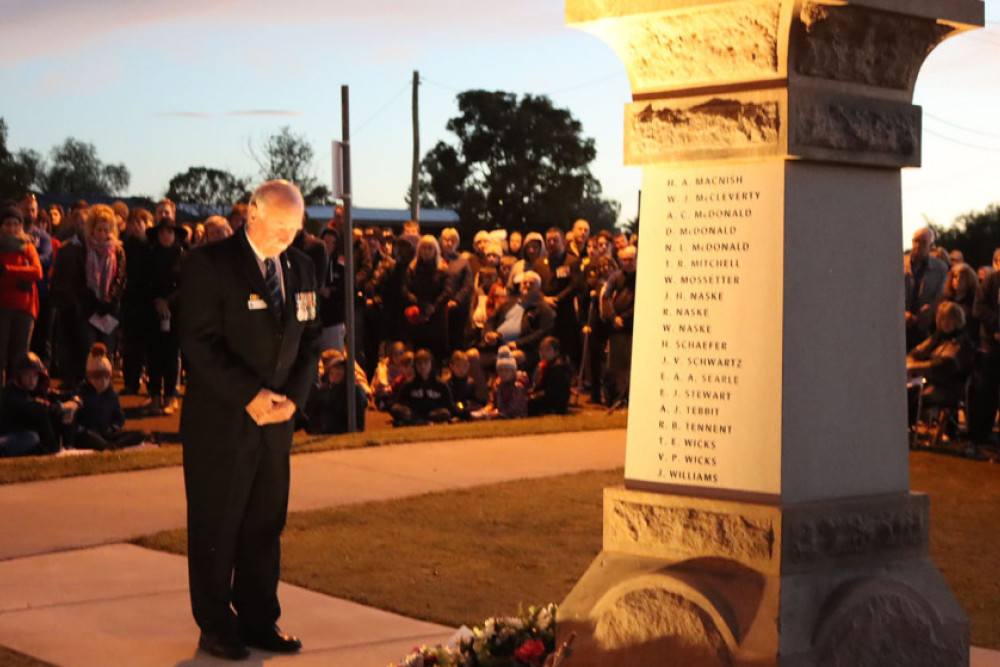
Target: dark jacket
x=550 y=392
x=620 y=297
x=950 y=358
x=561 y=278
x=537 y=322
x=235 y=348
x=136 y=297
x=463 y=396
x=426 y=285
x=165 y=271
x=21 y=410
x=986 y=310
x=423 y=396
x=326 y=408
x=99 y=412
x=68 y=286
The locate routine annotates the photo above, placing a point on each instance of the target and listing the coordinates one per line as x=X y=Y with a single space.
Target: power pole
x=415 y=179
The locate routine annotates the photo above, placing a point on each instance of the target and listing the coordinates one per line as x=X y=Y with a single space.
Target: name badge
x=305 y=306
x=256 y=303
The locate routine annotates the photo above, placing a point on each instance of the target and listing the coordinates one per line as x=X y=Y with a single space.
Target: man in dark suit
x=249 y=332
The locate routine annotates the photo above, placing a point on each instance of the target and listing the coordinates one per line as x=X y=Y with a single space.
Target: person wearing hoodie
x=20 y=273
x=532 y=249
x=30 y=410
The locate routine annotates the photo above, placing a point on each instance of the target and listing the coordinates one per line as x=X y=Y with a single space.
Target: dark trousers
x=108 y=440
x=15 y=334
x=237 y=493
x=41 y=335
x=984 y=393
x=567 y=330
x=458 y=324
x=136 y=331
x=71 y=345
x=163 y=363
x=402 y=415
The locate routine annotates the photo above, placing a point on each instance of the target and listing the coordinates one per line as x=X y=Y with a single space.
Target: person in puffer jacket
x=20 y=272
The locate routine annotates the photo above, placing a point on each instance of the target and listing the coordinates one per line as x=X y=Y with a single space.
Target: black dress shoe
x=273 y=640
x=228 y=649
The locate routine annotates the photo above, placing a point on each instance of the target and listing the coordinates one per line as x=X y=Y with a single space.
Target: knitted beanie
x=505 y=359
x=97 y=361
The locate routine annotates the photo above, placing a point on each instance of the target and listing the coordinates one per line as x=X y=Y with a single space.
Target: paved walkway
x=73 y=594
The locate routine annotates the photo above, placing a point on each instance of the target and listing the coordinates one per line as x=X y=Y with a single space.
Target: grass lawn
x=10 y=658
x=461 y=556
x=35 y=468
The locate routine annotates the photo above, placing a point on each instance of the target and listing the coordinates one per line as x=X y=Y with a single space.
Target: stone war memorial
x=766 y=516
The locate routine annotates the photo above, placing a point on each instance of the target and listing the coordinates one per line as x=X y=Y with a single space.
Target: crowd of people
x=506 y=328
x=952 y=316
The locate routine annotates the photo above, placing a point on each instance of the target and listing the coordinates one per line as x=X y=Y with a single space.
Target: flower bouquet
x=525 y=640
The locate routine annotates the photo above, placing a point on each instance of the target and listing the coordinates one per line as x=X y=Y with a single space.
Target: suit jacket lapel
x=256 y=278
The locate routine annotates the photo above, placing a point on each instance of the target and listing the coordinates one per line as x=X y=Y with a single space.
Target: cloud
x=268 y=113
x=41 y=28
x=183 y=114
x=264 y=112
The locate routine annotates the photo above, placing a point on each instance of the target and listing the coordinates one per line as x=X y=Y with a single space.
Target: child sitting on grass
x=424 y=399
x=464 y=392
x=550 y=391
x=30 y=411
x=509 y=398
x=100 y=419
x=389 y=369
x=326 y=407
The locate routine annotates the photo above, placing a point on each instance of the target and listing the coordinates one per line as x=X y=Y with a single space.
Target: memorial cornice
x=750 y=79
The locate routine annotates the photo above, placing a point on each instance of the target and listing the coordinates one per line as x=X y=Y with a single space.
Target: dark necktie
x=273 y=284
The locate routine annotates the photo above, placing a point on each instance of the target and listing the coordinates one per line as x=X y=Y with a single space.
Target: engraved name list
x=706 y=371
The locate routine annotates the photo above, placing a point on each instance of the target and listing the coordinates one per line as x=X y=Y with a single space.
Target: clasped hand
x=269 y=407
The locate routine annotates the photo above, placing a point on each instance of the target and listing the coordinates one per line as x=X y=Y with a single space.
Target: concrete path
x=42 y=517
x=72 y=594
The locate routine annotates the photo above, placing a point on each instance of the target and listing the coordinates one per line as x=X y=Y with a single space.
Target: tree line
x=519 y=164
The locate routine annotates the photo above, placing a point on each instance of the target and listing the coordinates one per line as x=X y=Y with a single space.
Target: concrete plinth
x=766 y=517
x=688 y=581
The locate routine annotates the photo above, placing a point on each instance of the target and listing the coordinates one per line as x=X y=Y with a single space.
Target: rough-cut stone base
x=863 y=593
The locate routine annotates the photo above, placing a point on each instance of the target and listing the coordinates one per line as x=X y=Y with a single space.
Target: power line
x=424 y=79
x=594 y=82
x=585 y=84
x=385 y=106
x=961 y=127
x=962 y=143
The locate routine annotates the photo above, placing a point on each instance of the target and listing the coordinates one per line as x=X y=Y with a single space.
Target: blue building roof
x=387 y=216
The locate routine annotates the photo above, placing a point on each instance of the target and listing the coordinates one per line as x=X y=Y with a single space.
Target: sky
x=163 y=85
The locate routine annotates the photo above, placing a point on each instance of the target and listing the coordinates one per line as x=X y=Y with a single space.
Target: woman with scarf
x=104 y=274
x=88 y=280
x=20 y=271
